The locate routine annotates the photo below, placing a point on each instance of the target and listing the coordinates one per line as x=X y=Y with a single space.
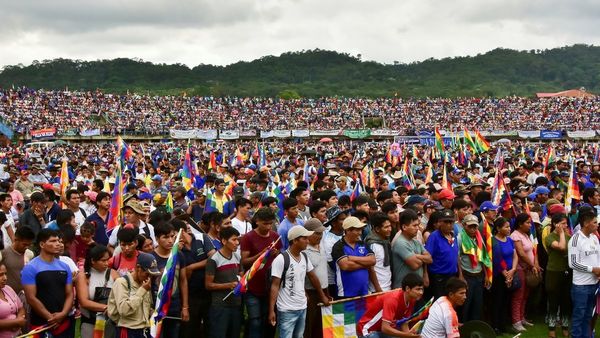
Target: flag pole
x=357 y=297
x=269 y=248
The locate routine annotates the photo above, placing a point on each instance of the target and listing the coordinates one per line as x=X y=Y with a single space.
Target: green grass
x=540 y=330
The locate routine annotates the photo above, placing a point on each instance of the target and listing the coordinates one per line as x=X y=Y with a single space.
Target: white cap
x=298 y=231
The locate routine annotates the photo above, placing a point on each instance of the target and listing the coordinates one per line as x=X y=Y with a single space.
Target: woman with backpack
x=93 y=287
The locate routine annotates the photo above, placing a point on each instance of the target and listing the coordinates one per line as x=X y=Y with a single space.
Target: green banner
x=357 y=133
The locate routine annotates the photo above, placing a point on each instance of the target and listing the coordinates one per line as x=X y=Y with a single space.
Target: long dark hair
x=556 y=218
x=94 y=253
x=521 y=219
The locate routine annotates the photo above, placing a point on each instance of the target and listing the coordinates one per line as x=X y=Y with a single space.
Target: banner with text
x=43 y=133
x=550 y=134
x=281 y=133
x=266 y=133
x=581 y=134
x=90 y=132
x=334 y=132
x=206 y=134
x=301 y=133
x=229 y=134
x=357 y=133
x=248 y=133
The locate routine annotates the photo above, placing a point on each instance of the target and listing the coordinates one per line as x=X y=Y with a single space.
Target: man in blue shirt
x=444 y=252
x=290 y=205
x=353 y=260
x=48 y=287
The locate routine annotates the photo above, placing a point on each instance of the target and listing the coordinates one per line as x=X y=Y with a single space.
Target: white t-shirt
x=442 y=321
x=112 y=240
x=384 y=273
x=327 y=242
x=10 y=223
x=79 y=219
x=292 y=296
x=243 y=227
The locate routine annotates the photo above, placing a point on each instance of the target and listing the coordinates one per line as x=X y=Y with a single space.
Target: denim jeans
x=584 y=299
x=258 y=314
x=225 y=321
x=291 y=323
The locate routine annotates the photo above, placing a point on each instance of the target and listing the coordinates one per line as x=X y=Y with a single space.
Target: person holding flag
x=223 y=271
x=253 y=245
x=177 y=306
x=382 y=316
x=473 y=258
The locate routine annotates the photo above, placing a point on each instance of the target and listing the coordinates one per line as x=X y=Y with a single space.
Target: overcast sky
x=225 y=31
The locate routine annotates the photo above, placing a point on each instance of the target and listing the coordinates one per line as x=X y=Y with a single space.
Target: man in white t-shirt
x=288 y=272
x=8 y=228
x=584 y=258
x=240 y=221
x=442 y=321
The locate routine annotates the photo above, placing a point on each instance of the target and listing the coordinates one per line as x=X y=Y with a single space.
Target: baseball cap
x=157 y=177
x=556 y=209
x=352 y=222
x=542 y=190
x=487 y=206
x=435 y=187
x=432 y=204
x=298 y=231
x=315 y=225
x=447 y=214
x=414 y=199
x=148 y=263
x=446 y=194
x=470 y=220
x=238 y=191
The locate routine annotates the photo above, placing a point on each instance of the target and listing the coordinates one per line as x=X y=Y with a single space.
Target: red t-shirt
x=389 y=307
x=125 y=264
x=254 y=243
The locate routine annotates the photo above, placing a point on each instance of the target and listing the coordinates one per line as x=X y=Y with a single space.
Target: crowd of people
x=331 y=233
x=26 y=109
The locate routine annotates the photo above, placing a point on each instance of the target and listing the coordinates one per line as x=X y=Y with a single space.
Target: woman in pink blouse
x=12 y=312
x=528 y=261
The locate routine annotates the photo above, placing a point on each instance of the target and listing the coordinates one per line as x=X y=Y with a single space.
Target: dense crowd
x=71 y=111
x=338 y=221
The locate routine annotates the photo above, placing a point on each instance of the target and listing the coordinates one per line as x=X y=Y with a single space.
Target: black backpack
x=286 y=266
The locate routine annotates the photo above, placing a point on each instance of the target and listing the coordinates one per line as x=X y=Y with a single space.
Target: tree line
x=315 y=73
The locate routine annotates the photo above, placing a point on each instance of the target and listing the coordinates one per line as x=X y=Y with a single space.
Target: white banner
x=90 y=132
x=281 y=133
x=384 y=132
x=229 y=134
x=206 y=134
x=334 y=132
x=582 y=134
x=182 y=134
x=300 y=133
x=529 y=133
x=266 y=133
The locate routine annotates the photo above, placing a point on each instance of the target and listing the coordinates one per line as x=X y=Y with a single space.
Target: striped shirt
x=225 y=270
x=584 y=255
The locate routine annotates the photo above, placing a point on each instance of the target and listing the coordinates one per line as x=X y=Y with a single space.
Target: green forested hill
x=314 y=73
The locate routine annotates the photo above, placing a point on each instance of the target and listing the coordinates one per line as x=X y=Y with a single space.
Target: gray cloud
x=222 y=32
